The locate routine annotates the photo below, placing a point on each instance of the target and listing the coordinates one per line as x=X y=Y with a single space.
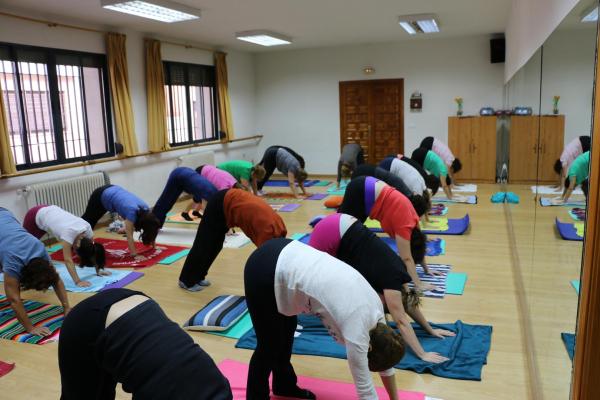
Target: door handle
x=535 y=148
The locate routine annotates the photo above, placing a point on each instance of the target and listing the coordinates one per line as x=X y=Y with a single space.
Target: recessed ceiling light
x=590 y=15
x=263 y=38
x=159 y=10
x=419 y=23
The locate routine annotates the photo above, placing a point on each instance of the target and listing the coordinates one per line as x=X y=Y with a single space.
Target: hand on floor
x=104 y=273
x=434 y=273
x=424 y=287
x=139 y=258
x=40 y=331
x=83 y=284
x=442 y=333
x=435 y=358
x=556 y=200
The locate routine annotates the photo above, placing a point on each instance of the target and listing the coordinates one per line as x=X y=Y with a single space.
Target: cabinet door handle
x=535 y=148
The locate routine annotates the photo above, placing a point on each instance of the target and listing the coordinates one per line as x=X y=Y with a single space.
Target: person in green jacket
x=246 y=174
x=578 y=174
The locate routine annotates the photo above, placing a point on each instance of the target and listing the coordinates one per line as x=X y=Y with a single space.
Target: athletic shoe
x=197 y=287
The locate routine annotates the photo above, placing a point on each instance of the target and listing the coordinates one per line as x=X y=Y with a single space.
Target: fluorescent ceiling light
x=419 y=23
x=159 y=10
x=590 y=15
x=263 y=38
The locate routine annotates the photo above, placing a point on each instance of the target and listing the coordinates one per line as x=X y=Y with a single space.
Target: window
x=190 y=100
x=57 y=106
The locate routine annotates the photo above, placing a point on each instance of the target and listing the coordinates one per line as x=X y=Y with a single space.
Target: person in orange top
x=366 y=196
x=227 y=209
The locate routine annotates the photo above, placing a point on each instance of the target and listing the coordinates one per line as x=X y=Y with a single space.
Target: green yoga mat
x=322 y=183
x=575 y=283
x=238 y=329
x=54 y=249
x=174 y=257
x=455 y=283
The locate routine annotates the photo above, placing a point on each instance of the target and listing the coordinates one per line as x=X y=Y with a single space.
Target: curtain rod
x=51 y=24
x=187 y=46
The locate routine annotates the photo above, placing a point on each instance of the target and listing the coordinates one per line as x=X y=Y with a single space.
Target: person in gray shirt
x=352 y=156
x=288 y=162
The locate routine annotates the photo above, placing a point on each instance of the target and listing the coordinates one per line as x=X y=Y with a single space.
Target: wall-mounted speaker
x=497 y=50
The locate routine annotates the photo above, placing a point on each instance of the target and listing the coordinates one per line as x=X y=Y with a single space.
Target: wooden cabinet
x=535 y=144
x=473 y=141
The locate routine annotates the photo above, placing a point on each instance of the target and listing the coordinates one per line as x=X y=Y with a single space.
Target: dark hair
x=149 y=226
x=448 y=180
x=558 y=166
x=419 y=204
x=419 y=155
x=433 y=183
x=199 y=169
x=411 y=299
x=585 y=187
x=456 y=165
x=38 y=274
x=386 y=348
x=91 y=254
x=418 y=245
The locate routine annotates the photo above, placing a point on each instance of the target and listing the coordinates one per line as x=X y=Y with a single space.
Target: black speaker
x=497 y=50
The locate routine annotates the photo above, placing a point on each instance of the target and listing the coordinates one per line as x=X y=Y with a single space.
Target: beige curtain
x=7 y=162
x=158 y=137
x=225 y=120
x=121 y=97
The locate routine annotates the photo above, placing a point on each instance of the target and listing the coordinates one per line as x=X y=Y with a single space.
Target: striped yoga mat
x=439 y=281
x=40 y=314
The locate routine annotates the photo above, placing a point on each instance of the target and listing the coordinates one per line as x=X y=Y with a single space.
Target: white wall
x=297 y=91
x=142 y=175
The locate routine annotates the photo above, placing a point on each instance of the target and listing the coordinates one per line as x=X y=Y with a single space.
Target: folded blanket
x=40 y=314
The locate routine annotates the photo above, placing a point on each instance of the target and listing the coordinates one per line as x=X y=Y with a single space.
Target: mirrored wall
x=552 y=94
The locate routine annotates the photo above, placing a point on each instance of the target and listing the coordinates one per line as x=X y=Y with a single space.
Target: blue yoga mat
x=545 y=202
x=567 y=231
x=285 y=183
x=569 y=341
x=467 y=351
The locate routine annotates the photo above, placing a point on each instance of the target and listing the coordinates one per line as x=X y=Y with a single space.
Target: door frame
x=370 y=82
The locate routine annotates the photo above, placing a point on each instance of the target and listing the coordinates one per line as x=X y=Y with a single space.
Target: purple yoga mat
x=289 y=208
x=317 y=196
x=133 y=276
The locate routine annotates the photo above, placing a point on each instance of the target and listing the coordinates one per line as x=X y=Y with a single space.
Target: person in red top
x=369 y=197
x=227 y=209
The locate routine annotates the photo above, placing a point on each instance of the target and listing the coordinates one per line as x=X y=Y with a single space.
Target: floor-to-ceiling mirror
x=548 y=224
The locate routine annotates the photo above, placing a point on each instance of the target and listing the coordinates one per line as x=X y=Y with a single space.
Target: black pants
x=383 y=175
x=274 y=331
x=427 y=143
x=269 y=162
x=586 y=142
x=95 y=210
x=149 y=354
x=354 y=199
x=208 y=242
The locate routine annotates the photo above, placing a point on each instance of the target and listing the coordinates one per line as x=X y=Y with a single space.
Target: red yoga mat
x=237 y=374
x=117 y=254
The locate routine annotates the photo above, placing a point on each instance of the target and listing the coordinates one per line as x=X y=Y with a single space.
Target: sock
x=196 y=213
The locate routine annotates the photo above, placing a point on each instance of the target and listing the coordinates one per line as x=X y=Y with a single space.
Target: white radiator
x=71 y=194
x=194 y=160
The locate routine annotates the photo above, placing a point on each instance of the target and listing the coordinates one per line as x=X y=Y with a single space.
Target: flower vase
x=459 y=112
x=555 y=111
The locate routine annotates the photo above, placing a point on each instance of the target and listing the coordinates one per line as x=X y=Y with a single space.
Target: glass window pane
x=95 y=110
x=12 y=109
x=71 y=109
x=197 y=112
x=180 y=114
x=209 y=125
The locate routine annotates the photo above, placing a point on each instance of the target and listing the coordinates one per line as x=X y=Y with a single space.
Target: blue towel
x=467 y=351
x=569 y=341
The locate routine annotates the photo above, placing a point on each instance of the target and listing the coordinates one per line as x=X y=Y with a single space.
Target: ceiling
x=311 y=23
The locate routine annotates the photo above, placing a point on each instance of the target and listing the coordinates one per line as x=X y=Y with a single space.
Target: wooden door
x=460 y=142
x=371 y=114
x=523 y=149
x=483 y=156
x=552 y=136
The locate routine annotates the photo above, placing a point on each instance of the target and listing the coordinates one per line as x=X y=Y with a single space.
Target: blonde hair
x=346 y=171
x=301 y=175
x=259 y=172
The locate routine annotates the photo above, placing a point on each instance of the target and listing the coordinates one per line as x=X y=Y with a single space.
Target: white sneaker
x=197 y=287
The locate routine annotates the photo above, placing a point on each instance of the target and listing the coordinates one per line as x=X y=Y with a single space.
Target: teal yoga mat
x=174 y=257
x=238 y=329
x=575 y=283
x=53 y=249
x=455 y=283
x=322 y=183
x=297 y=236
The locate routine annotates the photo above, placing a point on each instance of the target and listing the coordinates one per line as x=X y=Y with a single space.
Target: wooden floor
x=491 y=297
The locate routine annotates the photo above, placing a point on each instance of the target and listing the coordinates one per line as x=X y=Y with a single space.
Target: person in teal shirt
x=577 y=175
x=246 y=174
x=436 y=167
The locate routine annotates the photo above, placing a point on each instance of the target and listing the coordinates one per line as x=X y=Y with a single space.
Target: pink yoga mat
x=237 y=374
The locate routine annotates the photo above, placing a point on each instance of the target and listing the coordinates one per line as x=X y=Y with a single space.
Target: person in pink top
x=220 y=179
x=572 y=150
x=441 y=149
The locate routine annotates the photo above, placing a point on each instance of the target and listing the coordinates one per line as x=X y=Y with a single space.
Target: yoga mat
x=439 y=281
x=317 y=196
x=455 y=283
x=322 y=183
x=176 y=236
x=117 y=254
x=438 y=210
x=289 y=208
x=435 y=224
x=552 y=190
x=455 y=226
x=576 y=284
x=569 y=341
x=285 y=182
x=175 y=257
x=578 y=214
x=235 y=240
x=237 y=330
x=298 y=236
x=567 y=231
x=176 y=218
x=435 y=247
x=465 y=187
x=280 y=197
x=441 y=197
x=545 y=202
x=237 y=375
x=467 y=351
x=132 y=276
x=40 y=314
x=54 y=248
x=89 y=274
x=5 y=368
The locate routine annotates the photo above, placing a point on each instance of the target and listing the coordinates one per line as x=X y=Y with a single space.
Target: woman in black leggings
x=123 y=336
